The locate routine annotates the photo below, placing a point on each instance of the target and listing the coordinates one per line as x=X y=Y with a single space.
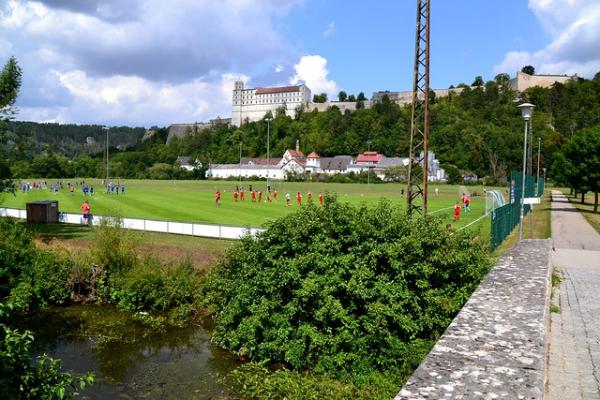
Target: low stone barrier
x=496 y=346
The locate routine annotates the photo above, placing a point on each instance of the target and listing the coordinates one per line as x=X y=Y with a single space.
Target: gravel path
x=574 y=353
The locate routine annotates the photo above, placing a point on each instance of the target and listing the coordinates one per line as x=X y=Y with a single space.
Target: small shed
x=42 y=212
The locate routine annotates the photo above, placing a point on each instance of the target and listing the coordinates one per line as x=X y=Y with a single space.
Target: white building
x=252 y=104
x=525 y=81
x=186 y=163
x=294 y=162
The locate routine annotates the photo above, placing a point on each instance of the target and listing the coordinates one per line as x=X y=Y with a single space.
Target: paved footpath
x=574 y=353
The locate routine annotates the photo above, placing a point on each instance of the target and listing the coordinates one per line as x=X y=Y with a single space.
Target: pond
x=130 y=360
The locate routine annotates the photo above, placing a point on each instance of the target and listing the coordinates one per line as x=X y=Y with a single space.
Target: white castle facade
x=253 y=103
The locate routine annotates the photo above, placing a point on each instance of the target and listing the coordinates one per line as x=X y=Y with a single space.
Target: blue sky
x=151 y=62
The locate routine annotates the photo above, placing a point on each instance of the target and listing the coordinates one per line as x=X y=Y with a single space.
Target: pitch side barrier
x=180 y=228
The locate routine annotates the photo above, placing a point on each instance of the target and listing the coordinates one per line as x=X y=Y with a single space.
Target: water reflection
x=130 y=360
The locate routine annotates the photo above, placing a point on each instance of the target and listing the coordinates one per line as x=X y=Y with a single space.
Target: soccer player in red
x=320 y=198
x=235 y=196
x=218 y=197
x=253 y=196
x=260 y=196
x=299 y=198
x=457 y=211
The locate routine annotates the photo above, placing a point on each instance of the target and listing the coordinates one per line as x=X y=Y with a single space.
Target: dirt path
x=574 y=357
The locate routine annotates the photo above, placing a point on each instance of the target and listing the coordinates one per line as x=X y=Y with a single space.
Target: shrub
x=343 y=290
x=114 y=247
x=154 y=287
x=20 y=378
x=17 y=251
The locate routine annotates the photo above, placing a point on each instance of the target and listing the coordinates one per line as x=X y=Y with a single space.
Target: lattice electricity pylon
x=418 y=166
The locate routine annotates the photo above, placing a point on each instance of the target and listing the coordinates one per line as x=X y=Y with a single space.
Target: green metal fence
x=506 y=218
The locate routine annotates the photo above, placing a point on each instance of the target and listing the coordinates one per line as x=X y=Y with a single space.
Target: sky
x=156 y=62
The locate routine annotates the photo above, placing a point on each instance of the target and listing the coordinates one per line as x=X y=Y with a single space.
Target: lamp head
x=526 y=110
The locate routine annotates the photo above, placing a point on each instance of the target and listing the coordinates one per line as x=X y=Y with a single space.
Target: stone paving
x=495 y=347
x=574 y=346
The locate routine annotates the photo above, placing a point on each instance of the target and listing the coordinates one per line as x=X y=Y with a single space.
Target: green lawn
x=193 y=201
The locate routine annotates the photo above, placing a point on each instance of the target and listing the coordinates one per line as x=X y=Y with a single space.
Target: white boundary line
x=471 y=223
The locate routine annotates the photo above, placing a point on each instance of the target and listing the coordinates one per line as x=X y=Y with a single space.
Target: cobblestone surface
x=574 y=356
x=495 y=347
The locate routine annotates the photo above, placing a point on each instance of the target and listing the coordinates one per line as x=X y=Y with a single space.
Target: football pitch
x=194 y=201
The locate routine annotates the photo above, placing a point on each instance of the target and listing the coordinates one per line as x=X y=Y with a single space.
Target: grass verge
x=536 y=225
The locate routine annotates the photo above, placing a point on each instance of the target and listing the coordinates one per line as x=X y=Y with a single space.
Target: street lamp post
x=240 y=177
x=268 y=155
x=537 y=179
x=105 y=129
x=526 y=111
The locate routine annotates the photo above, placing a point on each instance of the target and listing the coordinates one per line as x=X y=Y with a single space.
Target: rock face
x=180 y=130
x=496 y=345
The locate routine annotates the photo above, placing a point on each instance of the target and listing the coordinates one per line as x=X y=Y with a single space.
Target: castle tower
x=236 y=112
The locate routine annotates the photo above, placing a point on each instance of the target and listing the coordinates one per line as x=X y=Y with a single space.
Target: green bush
x=31 y=277
x=343 y=290
x=154 y=287
x=258 y=382
x=20 y=378
x=114 y=247
x=17 y=251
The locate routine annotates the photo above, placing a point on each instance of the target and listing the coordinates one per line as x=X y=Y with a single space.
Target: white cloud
x=279 y=68
x=330 y=30
x=139 y=62
x=313 y=71
x=574 y=27
x=137 y=101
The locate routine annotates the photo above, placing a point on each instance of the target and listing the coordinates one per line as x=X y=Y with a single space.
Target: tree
x=361 y=97
x=320 y=98
x=352 y=98
x=342 y=96
x=10 y=84
x=528 y=69
x=478 y=81
x=580 y=162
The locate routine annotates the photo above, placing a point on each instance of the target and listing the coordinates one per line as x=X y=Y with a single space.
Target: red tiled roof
x=296 y=154
x=313 y=155
x=282 y=89
x=369 y=156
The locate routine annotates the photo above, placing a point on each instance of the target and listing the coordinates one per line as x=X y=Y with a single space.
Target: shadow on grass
x=59 y=231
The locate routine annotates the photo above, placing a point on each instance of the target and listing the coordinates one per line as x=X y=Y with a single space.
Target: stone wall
x=525 y=81
x=496 y=345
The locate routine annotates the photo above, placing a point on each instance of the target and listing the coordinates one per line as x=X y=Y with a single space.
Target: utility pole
x=419 y=128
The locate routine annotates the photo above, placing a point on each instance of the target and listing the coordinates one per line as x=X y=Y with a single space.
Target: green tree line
x=477 y=131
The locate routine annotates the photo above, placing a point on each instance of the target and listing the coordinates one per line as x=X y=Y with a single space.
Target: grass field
x=193 y=201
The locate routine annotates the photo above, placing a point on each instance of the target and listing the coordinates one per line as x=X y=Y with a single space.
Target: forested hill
x=68 y=139
x=478 y=131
